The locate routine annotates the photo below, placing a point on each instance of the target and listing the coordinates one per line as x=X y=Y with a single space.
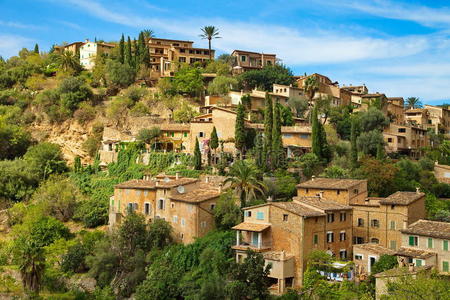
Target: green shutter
x=445 y=267
x=411 y=240
x=430 y=242
x=316 y=239
x=445 y=245
x=418 y=262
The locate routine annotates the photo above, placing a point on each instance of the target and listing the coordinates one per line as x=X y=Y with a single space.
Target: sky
x=400 y=48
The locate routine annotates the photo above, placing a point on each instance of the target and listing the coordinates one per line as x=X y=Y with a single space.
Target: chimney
x=313 y=177
x=156 y=182
x=86 y=40
x=220 y=188
x=282 y=255
x=177 y=175
x=269 y=199
x=207 y=179
x=411 y=267
x=417 y=190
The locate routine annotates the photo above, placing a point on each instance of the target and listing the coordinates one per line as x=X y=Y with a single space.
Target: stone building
x=186 y=203
x=166 y=55
x=90 y=50
x=365 y=256
x=426 y=243
x=286 y=232
x=395 y=109
x=72 y=47
x=405 y=139
x=248 y=60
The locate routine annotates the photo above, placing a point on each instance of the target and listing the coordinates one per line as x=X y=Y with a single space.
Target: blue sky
x=401 y=48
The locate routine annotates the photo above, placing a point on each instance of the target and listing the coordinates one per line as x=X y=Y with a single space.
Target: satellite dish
x=180 y=189
x=166 y=179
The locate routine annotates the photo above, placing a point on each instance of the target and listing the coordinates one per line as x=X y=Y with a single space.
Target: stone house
x=426 y=243
x=379 y=220
x=166 y=55
x=442 y=173
x=248 y=60
x=395 y=110
x=439 y=119
x=326 y=88
x=90 y=50
x=365 y=256
x=406 y=139
x=72 y=47
x=286 y=232
x=186 y=203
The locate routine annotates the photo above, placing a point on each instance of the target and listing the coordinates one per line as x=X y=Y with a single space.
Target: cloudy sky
x=401 y=48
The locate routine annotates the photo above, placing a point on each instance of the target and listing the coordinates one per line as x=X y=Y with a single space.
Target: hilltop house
x=247 y=60
x=90 y=50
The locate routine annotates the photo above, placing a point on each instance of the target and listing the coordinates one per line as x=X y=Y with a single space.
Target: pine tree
x=353 y=149
x=277 y=143
x=122 y=49
x=268 y=123
x=239 y=129
x=128 y=53
x=316 y=134
x=259 y=151
x=197 y=156
x=36 y=48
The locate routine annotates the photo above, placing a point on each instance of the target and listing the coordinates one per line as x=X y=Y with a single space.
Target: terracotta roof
x=256 y=227
x=395 y=98
x=320 y=203
x=434 y=229
x=298 y=209
x=372 y=95
x=402 y=198
x=415 y=110
x=416 y=253
x=284 y=129
x=330 y=183
x=151 y=184
x=403 y=271
x=250 y=52
x=175 y=127
x=202 y=192
x=374 y=248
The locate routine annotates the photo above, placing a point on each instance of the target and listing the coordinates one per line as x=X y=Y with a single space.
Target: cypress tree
x=77 y=164
x=36 y=48
x=316 y=134
x=380 y=151
x=325 y=148
x=214 y=142
x=259 y=151
x=197 y=156
x=353 y=149
x=143 y=50
x=268 y=122
x=128 y=53
x=239 y=129
x=277 y=143
x=136 y=53
x=122 y=49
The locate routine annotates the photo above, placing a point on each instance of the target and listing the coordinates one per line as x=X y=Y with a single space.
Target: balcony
x=252 y=236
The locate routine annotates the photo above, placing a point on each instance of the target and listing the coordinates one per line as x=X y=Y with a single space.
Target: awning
x=255 y=227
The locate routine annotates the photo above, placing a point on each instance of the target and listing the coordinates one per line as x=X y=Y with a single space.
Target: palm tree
x=243 y=178
x=68 y=60
x=148 y=34
x=311 y=85
x=31 y=264
x=209 y=33
x=413 y=102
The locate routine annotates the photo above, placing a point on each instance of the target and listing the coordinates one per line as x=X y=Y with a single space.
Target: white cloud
x=70 y=24
x=11 y=44
x=19 y=25
x=427 y=16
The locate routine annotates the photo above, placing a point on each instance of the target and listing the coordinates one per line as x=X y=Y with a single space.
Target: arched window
x=374 y=241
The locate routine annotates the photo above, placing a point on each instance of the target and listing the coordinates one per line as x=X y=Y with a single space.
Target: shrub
x=45 y=159
x=85 y=113
x=91 y=145
x=139 y=110
x=135 y=93
x=117 y=74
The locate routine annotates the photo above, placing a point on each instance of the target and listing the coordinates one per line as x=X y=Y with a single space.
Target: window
x=201 y=134
x=445 y=245
x=389 y=140
x=259 y=215
x=355 y=191
x=175 y=219
x=419 y=262
x=145 y=193
x=285 y=217
x=375 y=223
x=392 y=206
x=330 y=218
x=342 y=236
x=374 y=241
x=147 y=208
x=130 y=207
x=248 y=213
x=287 y=135
x=338 y=192
x=360 y=222
x=172 y=205
x=343 y=254
x=413 y=240
x=445 y=266
x=243 y=58
x=358 y=257
x=358 y=240
x=203 y=224
x=161 y=204
x=330 y=237
x=183 y=222
x=315 y=239
x=402 y=130
x=392 y=226
x=342 y=217
x=393 y=245
x=430 y=242
x=304 y=136
x=185 y=134
x=213 y=206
